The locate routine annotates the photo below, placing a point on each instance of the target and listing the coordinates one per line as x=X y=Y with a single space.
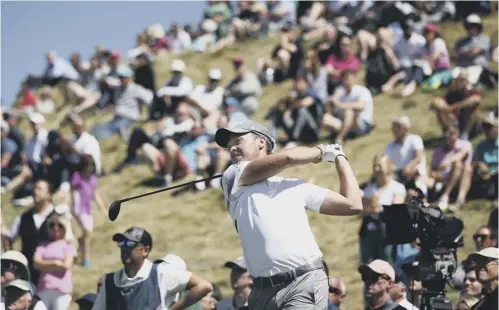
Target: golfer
x=269 y=215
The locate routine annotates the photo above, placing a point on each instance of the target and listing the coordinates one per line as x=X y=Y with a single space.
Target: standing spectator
x=84 y=186
x=84 y=143
x=174 y=91
x=337 y=292
x=338 y=63
x=461 y=104
x=144 y=285
x=241 y=282
x=451 y=164
x=472 y=291
x=485 y=263
x=245 y=88
x=378 y=277
x=127 y=110
x=398 y=290
x=352 y=108
x=54 y=260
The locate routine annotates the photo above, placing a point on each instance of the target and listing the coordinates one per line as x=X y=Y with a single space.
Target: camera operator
x=486 y=262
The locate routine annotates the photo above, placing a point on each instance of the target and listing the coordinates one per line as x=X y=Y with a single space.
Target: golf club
x=114 y=208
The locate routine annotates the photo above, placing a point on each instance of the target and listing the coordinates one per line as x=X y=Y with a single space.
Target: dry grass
x=197 y=226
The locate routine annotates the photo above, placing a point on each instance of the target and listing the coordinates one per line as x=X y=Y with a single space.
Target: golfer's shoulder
x=234 y=170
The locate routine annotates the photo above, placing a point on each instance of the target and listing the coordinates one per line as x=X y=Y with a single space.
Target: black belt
x=286 y=277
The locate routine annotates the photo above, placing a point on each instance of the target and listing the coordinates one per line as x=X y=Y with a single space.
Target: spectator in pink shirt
x=345 y=61
x=54 y=260
x=451 y=165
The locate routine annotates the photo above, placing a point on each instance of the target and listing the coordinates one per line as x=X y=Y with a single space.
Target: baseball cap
x=124 y=71
x=223 y=134
x=136 y=234
x=402 y=120
x=37 y=118
x=473 y=19
x=215 y=74
x=174 y=260
x=239 y=262
x=16 y=257
x=491 y=253
x=178 y=66
x=20 y=284
x=380 y=267
x=87 y=299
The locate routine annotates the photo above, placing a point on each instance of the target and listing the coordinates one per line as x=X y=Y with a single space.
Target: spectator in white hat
x=241 y=282
x=174 y=91
x=486 y=268
x=207 y=99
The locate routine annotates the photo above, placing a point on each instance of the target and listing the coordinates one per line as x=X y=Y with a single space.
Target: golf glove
x=332 y=151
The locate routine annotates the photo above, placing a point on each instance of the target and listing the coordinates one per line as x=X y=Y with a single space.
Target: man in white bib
x=269 y=215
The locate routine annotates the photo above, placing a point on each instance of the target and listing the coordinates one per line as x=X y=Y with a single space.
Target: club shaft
x=169 y=188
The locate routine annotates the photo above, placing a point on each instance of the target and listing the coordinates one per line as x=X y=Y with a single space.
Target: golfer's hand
x=331 y=152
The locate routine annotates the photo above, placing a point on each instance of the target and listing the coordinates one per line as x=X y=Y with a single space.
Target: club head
x=114 y=210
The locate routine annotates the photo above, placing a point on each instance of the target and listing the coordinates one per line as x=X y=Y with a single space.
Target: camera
x=438 y=236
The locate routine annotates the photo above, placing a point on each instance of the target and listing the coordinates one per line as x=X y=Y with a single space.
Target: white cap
x=175 y=261
x=473 y=19
x=16 y=257
x=380 y=267
x=37 y=118
x=402 y=120
x=156 y=31
x=178 y=65
x=20 y=284
x=215 y=74
x=209 y=25
x=492 y=253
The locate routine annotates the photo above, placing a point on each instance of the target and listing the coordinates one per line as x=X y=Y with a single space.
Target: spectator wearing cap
x=398 y=290
x=337 y=292
x=485 y=263
x=144 y=285
x=129 y=100
x=244 y=89
x=58 y=69
x=484 y=162
x=208 y=99
x=54 y=260
x=11 y=160
x=83 y=142
x=241 y=282
x=340 y=62
x=378 y=277
x=284 y=260
x=174 y=92
x=352 y=110
x=472 y=290
x=279 y=13
x=471 y=53
x=86 y=302
x=460 y=104
x=450 y=166
x=288 y=55
x=19 y=295
x=14 y=266
x=407 y=153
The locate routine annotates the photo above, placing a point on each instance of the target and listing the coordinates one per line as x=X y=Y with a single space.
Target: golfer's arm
x=271 y=165
x=198 y=288
x=349 y=200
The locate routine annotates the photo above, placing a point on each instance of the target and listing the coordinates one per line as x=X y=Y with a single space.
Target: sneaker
x=166 y=180
x=200 y=186
x=215 y=183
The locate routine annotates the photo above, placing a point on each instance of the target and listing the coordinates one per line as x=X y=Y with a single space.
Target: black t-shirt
x=296 y=58
x=488 y=302
x=250 y=16
x=324 y=54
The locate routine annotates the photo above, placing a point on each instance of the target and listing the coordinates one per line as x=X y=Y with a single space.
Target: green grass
x=197 y=226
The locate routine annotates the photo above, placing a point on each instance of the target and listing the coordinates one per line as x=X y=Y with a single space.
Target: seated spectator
x=337 y=292
x=344 y=60
x=152 y=144
x=383 y=190
x=378 y=277
x=280 y=13
x=327 y=45
x=407 y=154
x=26 y=99
x=409 y=47
x=249 y=21
x=438 y=58
x=174 y=91
x=471 y=53
x=461 y=104
x=57 y=70
x=83 y=142
x=180 y=40
x=245 y=87
x=352 y=110
x=314 y=17
x=11 y=159
x=12 y=119
x=130 y=98
x=485 y=263
x=158 y=41
x=451 y=164
x=241 y=282
x=208 y=99
x=54 y=260
x=144 y=72
x=144 y=285
x=45 y=104
x=484 y=163
x=398 y=290
x=86 y=302
x=84 y=190
x=287 y=55
x=472 y=291
x=316 y=75
x=206 y=38
x=109 y=82
x=382 y=67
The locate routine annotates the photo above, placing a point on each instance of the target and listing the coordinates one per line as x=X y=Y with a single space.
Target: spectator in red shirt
x=461 y=104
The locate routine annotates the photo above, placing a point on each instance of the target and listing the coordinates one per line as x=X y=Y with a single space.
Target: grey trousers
x=310 y=291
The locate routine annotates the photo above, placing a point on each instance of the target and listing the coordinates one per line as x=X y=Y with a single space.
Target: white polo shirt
x=271 y=221
x=356 y=94
x=402 y=153
x=88 y=144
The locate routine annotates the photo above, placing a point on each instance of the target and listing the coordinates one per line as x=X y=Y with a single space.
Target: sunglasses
x=334 y=290
x=480 y=237
x=373 y=279
x=56 y=225
x=127 y=244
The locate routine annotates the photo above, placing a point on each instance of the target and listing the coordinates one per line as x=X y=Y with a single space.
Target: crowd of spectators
x=397 y=45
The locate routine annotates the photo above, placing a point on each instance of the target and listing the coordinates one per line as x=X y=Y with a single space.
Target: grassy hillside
x=197 y=226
